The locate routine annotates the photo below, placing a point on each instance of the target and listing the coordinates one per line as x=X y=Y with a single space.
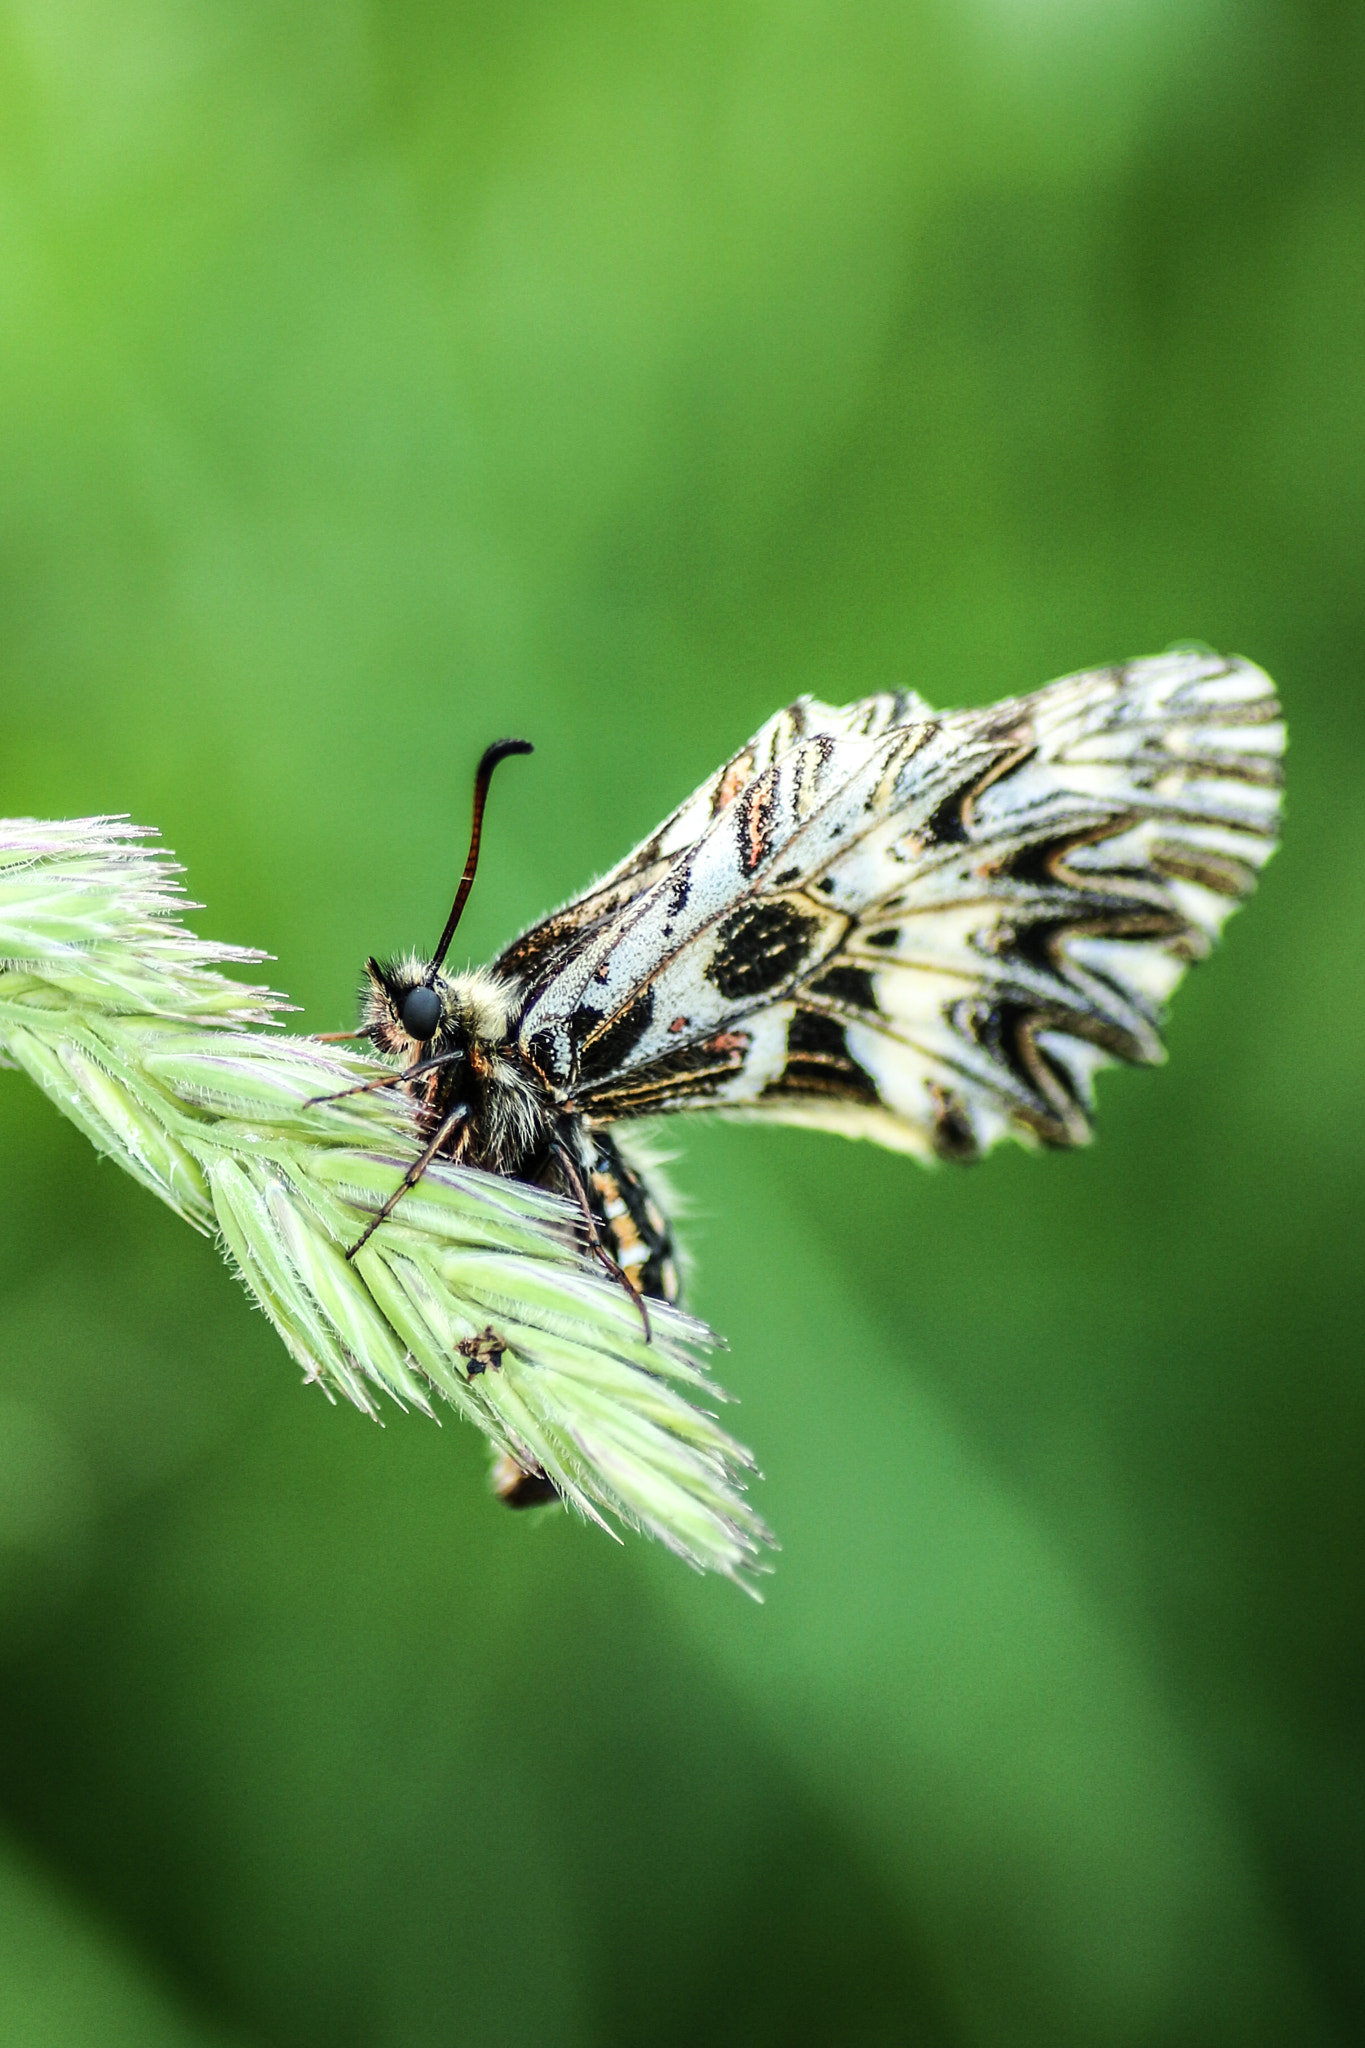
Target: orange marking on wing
x=733 y=781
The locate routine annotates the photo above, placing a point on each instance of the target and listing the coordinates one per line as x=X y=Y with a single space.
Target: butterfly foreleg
x=397 y=1080
x=414 y=1173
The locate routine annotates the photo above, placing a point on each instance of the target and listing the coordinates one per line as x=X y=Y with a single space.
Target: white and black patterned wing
x=930 y=931
x=535 y=959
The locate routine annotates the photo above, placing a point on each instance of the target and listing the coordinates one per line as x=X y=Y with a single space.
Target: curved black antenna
x=499 y=751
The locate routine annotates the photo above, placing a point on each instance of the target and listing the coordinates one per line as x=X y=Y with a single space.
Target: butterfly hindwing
x=930 y=931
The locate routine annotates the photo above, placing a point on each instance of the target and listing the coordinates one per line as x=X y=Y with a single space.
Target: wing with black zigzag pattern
x=926 y=930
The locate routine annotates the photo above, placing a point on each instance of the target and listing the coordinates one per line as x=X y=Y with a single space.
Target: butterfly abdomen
x=631 y=1221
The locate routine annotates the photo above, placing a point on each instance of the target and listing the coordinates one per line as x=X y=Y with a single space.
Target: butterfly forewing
x=926 y=930
x=537 y=957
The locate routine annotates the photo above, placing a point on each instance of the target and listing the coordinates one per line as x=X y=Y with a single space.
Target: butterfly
x=931 y=930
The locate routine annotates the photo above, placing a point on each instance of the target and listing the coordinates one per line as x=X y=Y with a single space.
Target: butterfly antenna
x=499 y=751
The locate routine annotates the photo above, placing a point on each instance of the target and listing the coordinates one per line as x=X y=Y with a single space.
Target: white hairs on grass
x=121 y=1016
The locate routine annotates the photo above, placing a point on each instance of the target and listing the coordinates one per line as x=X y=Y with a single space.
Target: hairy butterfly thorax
x=453 y=1037
x=481 y=1104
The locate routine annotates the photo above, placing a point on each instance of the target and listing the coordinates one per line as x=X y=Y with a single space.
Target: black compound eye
x=420 y=1012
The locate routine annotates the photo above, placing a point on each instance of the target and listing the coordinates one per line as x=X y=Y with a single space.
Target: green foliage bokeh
x=376 y=379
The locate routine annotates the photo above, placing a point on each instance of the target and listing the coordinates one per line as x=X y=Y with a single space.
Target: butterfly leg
x=361 y=1088
x=445 y=1059
x=412 y=1176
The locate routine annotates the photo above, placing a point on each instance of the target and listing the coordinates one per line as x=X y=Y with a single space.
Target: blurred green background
x=378 y=379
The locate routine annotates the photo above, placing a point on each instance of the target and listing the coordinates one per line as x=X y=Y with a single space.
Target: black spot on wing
x=812 y=1033
x=954 y=1134
x=820 y=1063
x=946 y=824
x=851 y=985
x=691 y=1074
x=680 y=888
x=612 y=1047
x=760 y=947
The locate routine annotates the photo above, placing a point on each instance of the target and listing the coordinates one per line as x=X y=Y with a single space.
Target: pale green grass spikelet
x=122 y=1017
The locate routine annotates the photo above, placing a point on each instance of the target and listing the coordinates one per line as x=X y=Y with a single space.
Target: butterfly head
x=413 y=1013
